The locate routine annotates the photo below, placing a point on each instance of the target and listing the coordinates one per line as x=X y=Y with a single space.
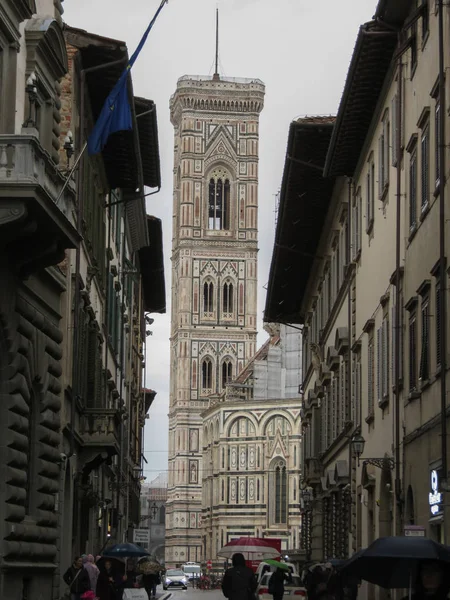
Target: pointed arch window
x=278 y=493
x=208 y=298
x=219 y=201
x=207 y=374
x=227 y=372
x=228 y=299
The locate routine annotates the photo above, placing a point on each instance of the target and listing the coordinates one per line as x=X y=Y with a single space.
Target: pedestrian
x=276 y=584
x=239 y=582
x=92 y=570
x=432 y=582
x=150 y=582
x=107 y=582
x=77 y=579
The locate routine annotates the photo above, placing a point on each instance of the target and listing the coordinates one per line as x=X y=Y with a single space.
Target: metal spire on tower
x=216 y=76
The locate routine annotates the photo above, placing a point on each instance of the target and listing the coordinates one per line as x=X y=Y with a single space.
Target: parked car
x=263 y=568
x=175 y=578
x=292 y=587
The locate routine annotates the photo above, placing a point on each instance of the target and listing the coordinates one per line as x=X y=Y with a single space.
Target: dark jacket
x=106 y=589
x=239 y=583
x=276 y=584
x=78 y=584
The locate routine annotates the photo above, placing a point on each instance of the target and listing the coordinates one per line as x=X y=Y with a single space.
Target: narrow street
x=191 y=594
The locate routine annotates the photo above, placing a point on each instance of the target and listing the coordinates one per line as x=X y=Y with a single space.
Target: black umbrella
x=392 y=562
x=125 y=551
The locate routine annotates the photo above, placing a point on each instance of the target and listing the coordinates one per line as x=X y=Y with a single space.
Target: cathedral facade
x=214 y=277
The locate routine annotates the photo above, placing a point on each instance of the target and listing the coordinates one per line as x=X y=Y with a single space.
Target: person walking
x=77 y=579
x=276 y=584
x=107 y=582
x=150 y=581
x=92 y=570
x=432 y=582
x=239 y=582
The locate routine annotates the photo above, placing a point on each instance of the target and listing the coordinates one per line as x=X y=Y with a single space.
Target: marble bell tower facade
x=214 y=277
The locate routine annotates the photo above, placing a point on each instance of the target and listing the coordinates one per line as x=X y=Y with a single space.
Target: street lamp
x=358 y=444
x=154 y=509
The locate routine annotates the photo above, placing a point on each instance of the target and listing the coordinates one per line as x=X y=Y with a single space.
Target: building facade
x=35 y=232
x=110 y=288
x=214 y=275
x=153 y=514
x=370 y=294
x=252 y=451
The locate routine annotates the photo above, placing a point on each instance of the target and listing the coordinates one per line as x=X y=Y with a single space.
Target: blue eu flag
x=116 y=112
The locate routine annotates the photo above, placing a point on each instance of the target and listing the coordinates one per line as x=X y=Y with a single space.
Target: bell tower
x=214 y=279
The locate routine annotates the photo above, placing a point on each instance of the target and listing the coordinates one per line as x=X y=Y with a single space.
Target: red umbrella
x=251 y=548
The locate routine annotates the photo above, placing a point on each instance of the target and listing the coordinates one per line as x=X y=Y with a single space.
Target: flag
x=116 y=111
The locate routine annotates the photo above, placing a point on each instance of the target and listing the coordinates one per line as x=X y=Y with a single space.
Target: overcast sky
x=300 y=49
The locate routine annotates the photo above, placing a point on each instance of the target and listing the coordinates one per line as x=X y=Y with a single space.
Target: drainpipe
x=398 y=308
x=443 y=264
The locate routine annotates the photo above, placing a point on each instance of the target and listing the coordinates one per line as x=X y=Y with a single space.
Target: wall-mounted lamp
x=31 y=90
x=358 y=444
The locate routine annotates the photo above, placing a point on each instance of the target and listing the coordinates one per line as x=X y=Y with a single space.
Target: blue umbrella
x=125 y=551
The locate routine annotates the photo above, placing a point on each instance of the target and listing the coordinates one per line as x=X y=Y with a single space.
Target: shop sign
x=435 y=496
x=414 y=531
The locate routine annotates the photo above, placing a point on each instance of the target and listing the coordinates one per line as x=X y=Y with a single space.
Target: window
x=394 y=341
x=370 y=376
x=413 y=46
x=227 y=299
x=394 y=129
x=438 y=324
x=425 y=19
x=208 y=298
x=437 y=141
x=280 y=493
x=413 y=191
x=370 y=195
x=425 y=167
x=412 y=352
x=356 y=225
x=219 y=201
x=383 y=156
x=227 y=372
x=385 y=357
x=424 y=370
x=207 y=374
x=356 y=396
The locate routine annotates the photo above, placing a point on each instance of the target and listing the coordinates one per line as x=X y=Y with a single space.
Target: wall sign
x=435 y=496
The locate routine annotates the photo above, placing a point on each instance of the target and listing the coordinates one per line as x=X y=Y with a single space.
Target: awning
x=131 y=157
x=151 y=260
x=304 y=201
x=372 y=57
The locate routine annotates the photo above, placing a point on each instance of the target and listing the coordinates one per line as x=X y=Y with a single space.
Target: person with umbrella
x=239 y=582
x=432 y=583
x=276 y=584
x=107 y=582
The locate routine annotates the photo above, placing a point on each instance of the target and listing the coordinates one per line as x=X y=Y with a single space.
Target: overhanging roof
x=151 y=259
x=131 y=157
x=371 y=60
x=304 y=201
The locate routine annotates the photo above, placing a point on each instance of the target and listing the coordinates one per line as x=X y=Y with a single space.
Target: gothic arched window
x=227 y=299
x=219 y=201
x=227 y=372
x=207 y=374
x=278 y=493
x=208 y=298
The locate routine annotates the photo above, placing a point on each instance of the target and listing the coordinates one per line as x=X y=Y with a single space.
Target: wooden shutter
x=379 y=363
x=394 y=129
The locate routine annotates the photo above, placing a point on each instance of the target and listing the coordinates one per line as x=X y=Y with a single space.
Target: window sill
x=413 y=395
x=425 y=209
x=412 y=233
x=383 y=402
x=370 y=417
x=369 y=227
x=384 y=193
x=437 y=189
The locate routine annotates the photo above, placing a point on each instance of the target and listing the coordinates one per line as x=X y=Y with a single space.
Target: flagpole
x=75 y=165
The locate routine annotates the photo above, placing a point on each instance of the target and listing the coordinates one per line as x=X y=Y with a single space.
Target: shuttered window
x=385 y=357
x=425 y=167
x=413 y=191
x=424 y=370
x=383 y=155
x=438 y=324
x=379 y=364
x=370 y=376
x=437 y=139
x=412 y=354
x=356 y=225
x=370 y=195
x=394 y=129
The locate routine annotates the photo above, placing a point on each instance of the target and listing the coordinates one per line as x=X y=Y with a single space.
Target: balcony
x=34 y=230
x=100 y=429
